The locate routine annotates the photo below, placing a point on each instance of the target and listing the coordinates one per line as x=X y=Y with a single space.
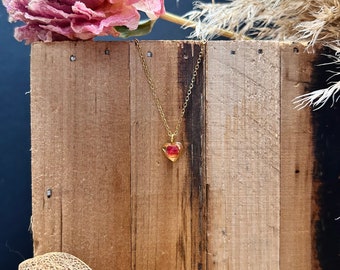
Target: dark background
x=15 y=176
x=15 y=191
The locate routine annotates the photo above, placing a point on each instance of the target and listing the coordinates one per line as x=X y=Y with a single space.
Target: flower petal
x=152 y=8
x=50 y=20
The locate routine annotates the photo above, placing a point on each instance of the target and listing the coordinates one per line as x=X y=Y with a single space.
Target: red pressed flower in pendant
x=172 y=150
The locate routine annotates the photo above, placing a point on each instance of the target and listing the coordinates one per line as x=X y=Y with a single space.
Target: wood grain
x=116 y=201
x=164 y=207
x=297 y=161
x=239 y=198
x=243 y=155
x=80 y=150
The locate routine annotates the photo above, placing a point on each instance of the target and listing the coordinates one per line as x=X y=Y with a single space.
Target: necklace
x=172 y=149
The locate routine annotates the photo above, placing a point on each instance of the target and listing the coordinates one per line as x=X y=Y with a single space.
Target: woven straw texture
x=54 y=261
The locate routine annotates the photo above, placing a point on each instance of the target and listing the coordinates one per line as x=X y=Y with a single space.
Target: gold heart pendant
x=172 y=150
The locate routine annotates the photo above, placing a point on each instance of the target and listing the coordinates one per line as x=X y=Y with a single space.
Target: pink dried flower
x=51 y=20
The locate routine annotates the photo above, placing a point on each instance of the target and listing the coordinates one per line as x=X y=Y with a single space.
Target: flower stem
x=184 y=22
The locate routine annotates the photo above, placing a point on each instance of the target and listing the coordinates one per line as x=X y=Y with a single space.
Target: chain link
x=156 y=99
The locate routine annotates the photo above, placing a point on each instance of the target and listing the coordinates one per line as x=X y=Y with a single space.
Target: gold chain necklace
x=172 y=149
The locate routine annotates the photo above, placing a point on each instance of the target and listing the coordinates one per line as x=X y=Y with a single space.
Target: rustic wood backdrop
x=240 y=197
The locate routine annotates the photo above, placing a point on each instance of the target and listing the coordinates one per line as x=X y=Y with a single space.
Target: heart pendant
x=172 y=150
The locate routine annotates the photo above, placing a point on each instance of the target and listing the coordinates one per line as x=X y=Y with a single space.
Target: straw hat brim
x=54 y=261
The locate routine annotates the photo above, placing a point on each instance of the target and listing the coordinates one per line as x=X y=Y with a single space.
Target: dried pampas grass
x=318 y=98
x=297 y=20
x=306 y=21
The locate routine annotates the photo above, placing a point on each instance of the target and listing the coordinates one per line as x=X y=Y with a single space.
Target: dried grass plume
x=306 y=21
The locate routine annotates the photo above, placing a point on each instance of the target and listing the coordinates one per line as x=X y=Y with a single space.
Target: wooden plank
x=166 y=213
x=243 y=155
x=80 y=150
x=117 y=202
x=297 y=211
